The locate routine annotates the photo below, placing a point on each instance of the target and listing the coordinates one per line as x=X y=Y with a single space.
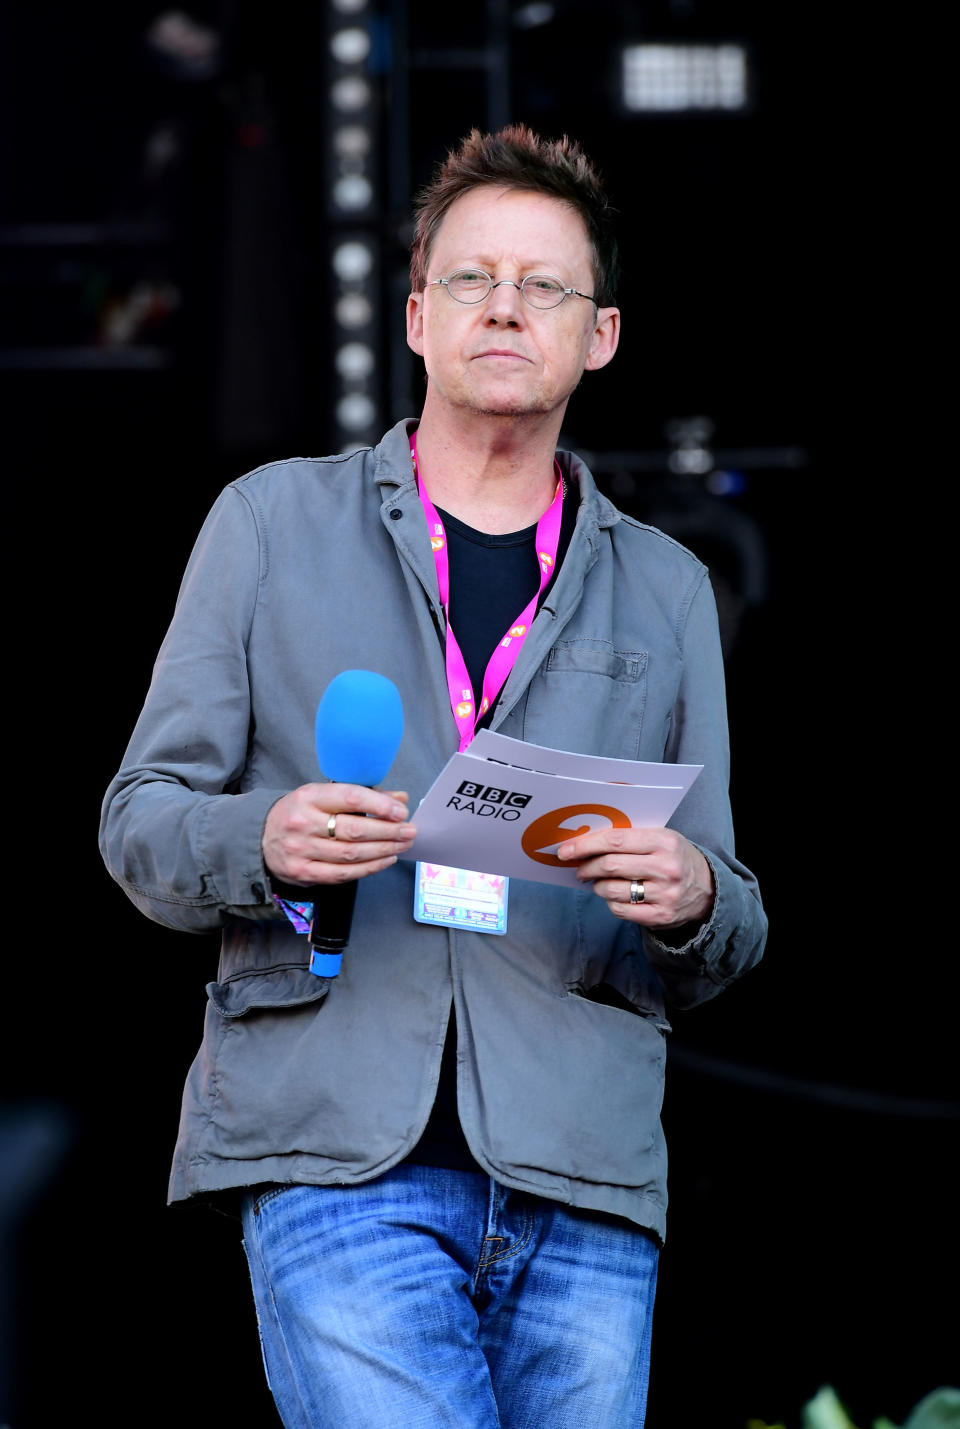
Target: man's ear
x=606 y=336
x=415 y=322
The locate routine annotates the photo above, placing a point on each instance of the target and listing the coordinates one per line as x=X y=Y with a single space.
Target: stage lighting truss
x=353 y=214
x=685 y=79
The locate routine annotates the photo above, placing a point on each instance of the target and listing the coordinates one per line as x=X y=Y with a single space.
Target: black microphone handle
x=332 y=915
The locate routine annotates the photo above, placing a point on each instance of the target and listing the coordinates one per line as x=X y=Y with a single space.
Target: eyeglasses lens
x=471 y=286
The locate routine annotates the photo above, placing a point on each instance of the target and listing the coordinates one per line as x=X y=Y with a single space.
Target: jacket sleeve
x=732 y=940
x=178 y=831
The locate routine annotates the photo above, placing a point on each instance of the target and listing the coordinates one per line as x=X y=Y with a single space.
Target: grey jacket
x=305 y=568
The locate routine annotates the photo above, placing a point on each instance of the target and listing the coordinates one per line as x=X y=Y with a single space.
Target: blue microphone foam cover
x=358 y=728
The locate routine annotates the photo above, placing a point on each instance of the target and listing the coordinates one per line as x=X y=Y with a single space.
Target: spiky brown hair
x=517 y=158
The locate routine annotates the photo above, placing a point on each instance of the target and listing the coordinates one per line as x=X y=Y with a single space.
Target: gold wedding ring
x=332 y=826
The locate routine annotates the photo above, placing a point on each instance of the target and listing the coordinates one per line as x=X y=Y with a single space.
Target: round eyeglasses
x=472 y=285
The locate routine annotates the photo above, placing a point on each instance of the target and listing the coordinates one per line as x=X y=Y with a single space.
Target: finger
x=337 y=863
x=616 y=894
x=353 y=828
x=657 y=908
x=630 y=841
x=341 y=851
x=354 y=798
x=642 y=913
x=334 y=873
x=621 y=891
x=610 y=865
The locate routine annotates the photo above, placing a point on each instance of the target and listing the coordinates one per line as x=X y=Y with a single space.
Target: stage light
x=690 y=461
x=530 y=17
x=355 y=361
x=353 y=217
x=353 y=310
x=673 y=79
x=352 y=261
x=350 y=47
x=350 y=93
x=351 y=141
x=356 y=412
x=352 y=192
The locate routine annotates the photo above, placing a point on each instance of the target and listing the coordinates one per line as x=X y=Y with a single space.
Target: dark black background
x=811 y=1233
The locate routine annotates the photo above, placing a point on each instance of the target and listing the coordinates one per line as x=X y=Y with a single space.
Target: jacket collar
x=393 y=470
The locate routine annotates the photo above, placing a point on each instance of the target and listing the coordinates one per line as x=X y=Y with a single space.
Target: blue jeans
x=432 y=1297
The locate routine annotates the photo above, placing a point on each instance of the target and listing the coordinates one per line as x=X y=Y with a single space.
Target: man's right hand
x=370 y=831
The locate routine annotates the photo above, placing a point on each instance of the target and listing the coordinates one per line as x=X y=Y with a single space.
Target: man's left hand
x=669 y=877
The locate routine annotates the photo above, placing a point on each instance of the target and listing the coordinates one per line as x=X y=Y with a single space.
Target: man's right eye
x=469 y=277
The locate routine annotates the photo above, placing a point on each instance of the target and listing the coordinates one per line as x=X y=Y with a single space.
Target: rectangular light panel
x=673 y=79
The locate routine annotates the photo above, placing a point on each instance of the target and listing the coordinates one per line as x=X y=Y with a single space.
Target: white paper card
x=498 y=812
x=486 y=744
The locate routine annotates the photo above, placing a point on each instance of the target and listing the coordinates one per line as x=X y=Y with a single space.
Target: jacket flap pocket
x=597 y=657
x=290 y=985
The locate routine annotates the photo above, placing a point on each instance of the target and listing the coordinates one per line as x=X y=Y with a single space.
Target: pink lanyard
x=502 y=660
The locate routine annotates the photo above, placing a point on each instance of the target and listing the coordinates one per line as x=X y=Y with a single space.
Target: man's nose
x=504 y=302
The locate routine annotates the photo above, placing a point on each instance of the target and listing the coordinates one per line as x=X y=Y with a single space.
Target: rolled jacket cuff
x=230 y=849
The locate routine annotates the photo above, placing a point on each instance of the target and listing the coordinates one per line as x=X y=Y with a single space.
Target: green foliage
x=939 y=1410
x=824 y=1411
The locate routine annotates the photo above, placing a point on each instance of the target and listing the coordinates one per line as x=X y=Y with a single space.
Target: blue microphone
x=358 y=730
x=359 y=727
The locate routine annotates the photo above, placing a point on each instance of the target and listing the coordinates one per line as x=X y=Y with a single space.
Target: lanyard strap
x=501 y=662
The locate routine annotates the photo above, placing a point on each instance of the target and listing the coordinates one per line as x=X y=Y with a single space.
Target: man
x=449 y=1156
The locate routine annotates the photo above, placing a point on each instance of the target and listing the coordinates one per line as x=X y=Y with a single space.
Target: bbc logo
x=490 y=794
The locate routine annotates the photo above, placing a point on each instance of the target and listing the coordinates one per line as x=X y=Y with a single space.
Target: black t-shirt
x=492 y=580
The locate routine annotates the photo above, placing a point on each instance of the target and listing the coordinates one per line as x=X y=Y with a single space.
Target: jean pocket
x=265 y=1195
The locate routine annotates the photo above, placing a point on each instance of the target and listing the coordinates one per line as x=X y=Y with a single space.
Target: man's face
x=502 y=357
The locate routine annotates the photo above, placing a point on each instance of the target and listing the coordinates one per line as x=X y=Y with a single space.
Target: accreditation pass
x=459 y=898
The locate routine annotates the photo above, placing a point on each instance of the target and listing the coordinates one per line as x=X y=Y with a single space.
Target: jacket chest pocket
x=589 y=698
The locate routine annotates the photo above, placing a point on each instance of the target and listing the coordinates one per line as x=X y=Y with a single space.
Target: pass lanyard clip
x=501 y=662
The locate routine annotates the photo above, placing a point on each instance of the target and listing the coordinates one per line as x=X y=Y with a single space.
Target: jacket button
x=395 y=514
